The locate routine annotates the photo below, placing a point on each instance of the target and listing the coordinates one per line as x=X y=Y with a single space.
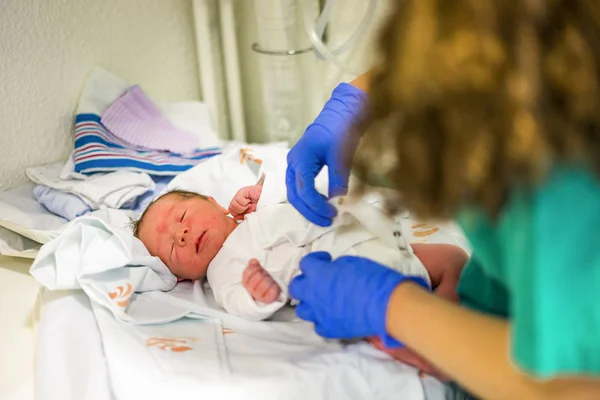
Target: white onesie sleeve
x=225 y=277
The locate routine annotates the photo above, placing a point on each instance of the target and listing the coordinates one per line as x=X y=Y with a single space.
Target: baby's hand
x=261 y=286
x=245 y=201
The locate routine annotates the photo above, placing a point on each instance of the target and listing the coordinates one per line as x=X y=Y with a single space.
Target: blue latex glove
x=323 y=144
x=346 y=298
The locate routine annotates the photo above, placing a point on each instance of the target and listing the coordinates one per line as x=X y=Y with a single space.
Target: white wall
x=47 y=48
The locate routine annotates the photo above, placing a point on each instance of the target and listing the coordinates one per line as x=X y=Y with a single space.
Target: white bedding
x=71 y=362
x=276 y=360
x=24 y=223
x=17 y=298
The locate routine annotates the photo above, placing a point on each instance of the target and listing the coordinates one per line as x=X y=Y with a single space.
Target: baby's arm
x=229 y=281
x=237 y=301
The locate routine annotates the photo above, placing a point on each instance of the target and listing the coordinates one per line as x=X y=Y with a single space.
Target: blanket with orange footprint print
x=170 y=340
x=98 y=254
x=227 y=357
x=158 y=356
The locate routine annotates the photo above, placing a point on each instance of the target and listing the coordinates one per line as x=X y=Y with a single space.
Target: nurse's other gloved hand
x=323 y=144
x=346 y=298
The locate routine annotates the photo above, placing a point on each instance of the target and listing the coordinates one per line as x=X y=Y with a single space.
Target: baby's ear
x=212 y=200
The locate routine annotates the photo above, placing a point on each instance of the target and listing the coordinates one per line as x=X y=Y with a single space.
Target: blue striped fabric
x=97 y=150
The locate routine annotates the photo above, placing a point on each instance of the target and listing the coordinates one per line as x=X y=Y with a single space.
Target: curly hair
x=136 y=224
x=472 y=97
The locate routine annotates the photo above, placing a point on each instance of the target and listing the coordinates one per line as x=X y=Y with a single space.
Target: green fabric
x=539 y=266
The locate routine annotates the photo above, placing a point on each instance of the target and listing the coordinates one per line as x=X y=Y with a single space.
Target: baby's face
x=185 y=233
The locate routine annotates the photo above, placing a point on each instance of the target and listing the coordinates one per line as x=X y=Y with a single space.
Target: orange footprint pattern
x=174 y=344
x=246 y=153
x=424 y=230
x=122 y=295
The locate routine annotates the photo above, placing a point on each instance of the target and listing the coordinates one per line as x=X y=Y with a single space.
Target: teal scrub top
x=538 y=265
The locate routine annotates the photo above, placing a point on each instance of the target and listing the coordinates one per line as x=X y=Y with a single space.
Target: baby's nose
x=181 y=235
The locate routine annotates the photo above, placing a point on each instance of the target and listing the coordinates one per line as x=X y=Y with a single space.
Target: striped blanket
x=97 y=150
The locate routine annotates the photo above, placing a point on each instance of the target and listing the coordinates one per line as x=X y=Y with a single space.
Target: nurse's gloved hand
x=346 y=298
x=323 y=144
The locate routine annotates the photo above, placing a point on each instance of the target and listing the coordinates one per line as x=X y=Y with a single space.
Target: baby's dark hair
x=136 y=224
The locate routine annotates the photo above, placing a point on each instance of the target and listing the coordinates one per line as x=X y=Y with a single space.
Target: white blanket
x=98 y=253
x=69 y=362
x=157 y=360
x=280 y=359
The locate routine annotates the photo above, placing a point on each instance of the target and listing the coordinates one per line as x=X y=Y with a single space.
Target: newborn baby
x=249 y=264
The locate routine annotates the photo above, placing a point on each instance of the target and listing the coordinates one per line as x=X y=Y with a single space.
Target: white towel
x=112 y=190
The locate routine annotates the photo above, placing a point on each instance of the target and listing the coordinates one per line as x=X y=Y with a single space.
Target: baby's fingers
x=253 y=275
x=259 y=283
x=271 y=292
x=251 y=208
x=251 y=270
x=236 y=208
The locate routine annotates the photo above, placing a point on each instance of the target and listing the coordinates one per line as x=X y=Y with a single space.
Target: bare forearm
x=362 y=81
x=472 y=348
